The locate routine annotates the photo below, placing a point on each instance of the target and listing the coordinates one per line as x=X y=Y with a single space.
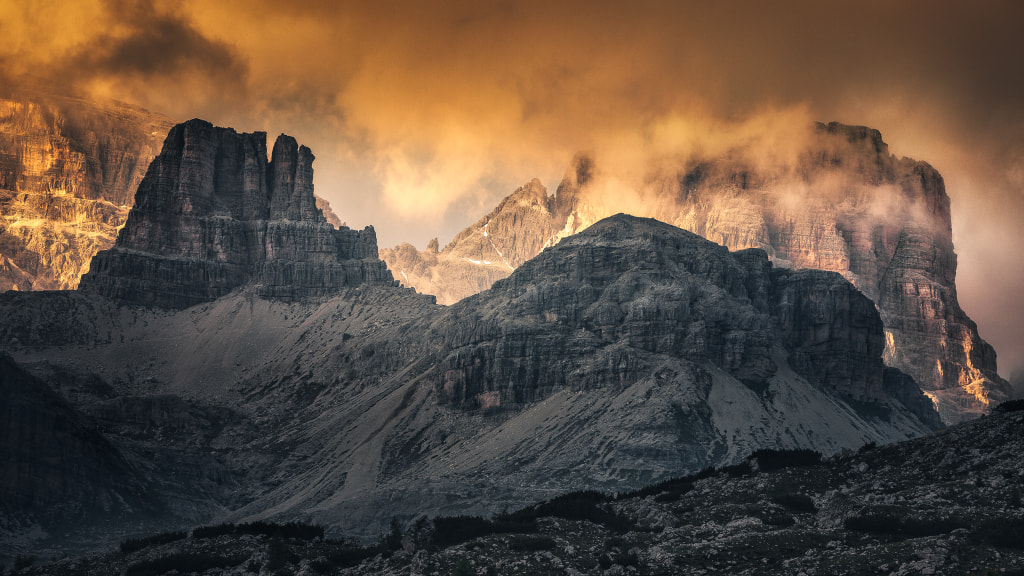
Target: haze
x=423 y=116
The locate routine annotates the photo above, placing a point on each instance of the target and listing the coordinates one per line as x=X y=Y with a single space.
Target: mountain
x=1017 y=383
x=60 y=473
x=844 y=204
x=69 y=169
x=477 y=257
x=628 y=353
x=212 y=214
x=934 y=505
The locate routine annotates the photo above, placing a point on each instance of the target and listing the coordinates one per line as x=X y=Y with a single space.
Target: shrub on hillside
x=581 y=505
x=1003 y=532
x=1011 y=406
x=531 y=543
x=798 y=502
x=135 y=544
x=451 y=530
x=769 y=460
x=296 y=530
x=183 y=563
x=898 y=525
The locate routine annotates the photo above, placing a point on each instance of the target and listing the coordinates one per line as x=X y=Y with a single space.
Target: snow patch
x=495 y=248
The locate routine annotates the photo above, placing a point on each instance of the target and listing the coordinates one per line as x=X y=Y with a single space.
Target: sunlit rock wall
x=68 y=173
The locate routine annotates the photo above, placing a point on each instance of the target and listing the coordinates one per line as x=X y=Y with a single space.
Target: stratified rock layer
x=212 y=215
x=487 y=251
x=631 y=287
x=629 y=353
x=845 y=204
x=68 y=171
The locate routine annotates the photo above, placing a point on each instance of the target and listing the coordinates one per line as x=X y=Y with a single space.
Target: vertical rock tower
x=212 y=215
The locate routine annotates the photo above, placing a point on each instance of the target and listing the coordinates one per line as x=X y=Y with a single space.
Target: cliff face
x=487 y=251
x=212 y=214
x=630 y=287
x=845 y=204
x=629 y=353
x=68 y=171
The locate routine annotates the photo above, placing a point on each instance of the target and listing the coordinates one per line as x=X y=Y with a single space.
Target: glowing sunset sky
x=423 y=115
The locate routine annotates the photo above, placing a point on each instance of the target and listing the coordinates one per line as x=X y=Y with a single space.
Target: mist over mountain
x=835 y=200
x=69 y=168
x=245 y=359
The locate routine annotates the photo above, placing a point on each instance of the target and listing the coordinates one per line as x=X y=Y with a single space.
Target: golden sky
x=424 y=114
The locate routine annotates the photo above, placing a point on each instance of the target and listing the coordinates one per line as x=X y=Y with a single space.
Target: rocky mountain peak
x=212 y=215
x=290 y=173
x=627 y=354
x=628 y=287
x=845 y=204
x=856 y=135
x=68 y=170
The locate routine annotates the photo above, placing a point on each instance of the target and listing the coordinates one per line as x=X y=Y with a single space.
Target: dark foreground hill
x=948 y=503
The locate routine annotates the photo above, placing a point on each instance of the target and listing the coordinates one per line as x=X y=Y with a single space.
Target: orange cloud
x=424 y=114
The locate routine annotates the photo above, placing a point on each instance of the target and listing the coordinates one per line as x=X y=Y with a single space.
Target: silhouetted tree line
x=1011 y=406
x=184 y=563
x=296 y=530
x=134 y=544
x=771 y=460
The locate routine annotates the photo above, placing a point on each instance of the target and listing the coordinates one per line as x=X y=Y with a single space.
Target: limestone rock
x=212 y=215
x=629 y=285
x=68 y=171
x=487 y=251
x=629 y=353
x=845 y=205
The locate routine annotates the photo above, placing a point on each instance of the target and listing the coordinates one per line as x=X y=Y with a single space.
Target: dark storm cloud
x=156 y=45
x=128 y=49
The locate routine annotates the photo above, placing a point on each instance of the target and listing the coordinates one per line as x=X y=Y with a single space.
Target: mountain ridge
x=845 y=205
x=628 y=353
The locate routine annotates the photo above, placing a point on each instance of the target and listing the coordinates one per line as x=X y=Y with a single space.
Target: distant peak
x=855 y=135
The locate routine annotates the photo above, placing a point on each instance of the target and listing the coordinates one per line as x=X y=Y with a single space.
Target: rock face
x=630 y=287
x=631 y=352
x=68 y=171
x=212 y=215
x=58 y=471
x=1017 y=383
x=845 y=204
x=489 y=250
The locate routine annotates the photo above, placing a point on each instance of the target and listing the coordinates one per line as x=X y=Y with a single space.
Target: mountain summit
x=212 y=214
x=629 y=353
x=844 y=204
